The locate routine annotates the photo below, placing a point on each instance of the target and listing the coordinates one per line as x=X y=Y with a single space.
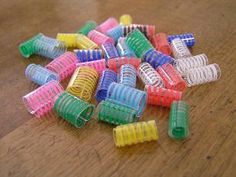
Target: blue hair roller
x=123 y=49
x=107 y=77
x=128 y=75
x=187 y=38
x=127 y=96
x=156 y=58
x=109 y=50
x=88 y=55
x=115 y=33
x=39 y=74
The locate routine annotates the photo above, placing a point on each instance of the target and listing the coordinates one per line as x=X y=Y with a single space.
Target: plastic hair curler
x=147 y=30
x=83 y=42
x=88 y=26
x=179 y=49
x=98 y=65
x=99 y=38
x=127 y=75
x=187 y=38
x=70 y=39
x=115 y=63
x=109 y=51
x=115 y=33
x=88 y=55
x=161 y=43
x=123 y=49
x=107 y=25
x=125 y=19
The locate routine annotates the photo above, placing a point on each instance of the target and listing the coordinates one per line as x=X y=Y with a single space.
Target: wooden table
x=52 y=147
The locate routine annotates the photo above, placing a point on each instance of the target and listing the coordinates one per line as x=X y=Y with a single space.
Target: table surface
x=52 y=147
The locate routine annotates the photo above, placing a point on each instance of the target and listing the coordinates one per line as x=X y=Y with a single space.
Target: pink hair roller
x=41 y=101
x=107 y=25
x=171 y=77
x=115 y=63
x=161 y=43
x=99 y=38
x=98 y=65
x=63 y=65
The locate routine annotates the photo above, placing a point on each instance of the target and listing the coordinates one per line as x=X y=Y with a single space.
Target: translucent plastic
x=179 y=49
x=127 y=75
x=127 y=96
x=88 y=26
x=185 y=64
x=171 y=77
x=98 y=65
x=107 y=77
x=40 y=101
x=161 y=96
x=74 y=110
x=125 y=19
x=99 y=38
x=115 y=33
x=83 y=42
x=83 y=83
x=39 y=74
x=88 y=55
x=134 y=133
x=156 y=58
x=137 y=42
x=123 y=49
x=115 y=114
x=70 y=39
x=64 y=65
x=149 y=75
x=187 y=38
x=161 y=43
x=147 y=30
x=115 y=63
x=107 y=25
x=204 y=74
x=109 y=51
x=178 y=120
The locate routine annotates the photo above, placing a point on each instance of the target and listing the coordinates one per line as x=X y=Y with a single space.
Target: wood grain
x=52 y=147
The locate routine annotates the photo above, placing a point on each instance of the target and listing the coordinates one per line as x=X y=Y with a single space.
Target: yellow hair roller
x=134 y=133
x=83 y=83
x=125 y=19
x=83 y=42
x=70 y=39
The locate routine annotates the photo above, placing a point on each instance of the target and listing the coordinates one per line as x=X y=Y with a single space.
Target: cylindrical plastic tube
x=83 y=82
x=115 y=114
x=99 y=38
x=83 y=42
x=127 y=75
x=107 y=77
x=109 y=51
x=115 y=33
x=98 y=65
x=125 y=19
x=88 y=26
x=178 y=120
x=161 y=43
x=187 y=38
x=72 y=109
x=40 y=101
x=123 y=49
x=70 y=39
x=115 y=63
x=107 y=25
x=179 y=49
x=161 y=96
x=88 y=55
x=39 y=74
x=147 y=30
x=135 y=133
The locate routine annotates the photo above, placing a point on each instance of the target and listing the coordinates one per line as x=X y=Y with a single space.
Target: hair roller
x=187 y=38
x=204 y=74
x=147 y=30
x=99 y=38
x=70 y=39
x=179 y=49
x=185 y=64
x=107 y=77
x=115 y=33
x=161 y=43
x=109 y=51
x=115 y=63
x=137 y=42
x=98 y=65
x=107 y=25
x=74 y=110
x=88 y=55
x=51 y=41
x=123 y=49
x=83 y=83
x=134 y=133
x=63 y=65
x=156 y=58
x=178 y=120
x=125 y=19
x=83 y=42
x=171 y=78
x=40 y=101
x=149 y=76
x=88 y=26
x=115 y=114
x=39 y=74
x=128 y=75
x=161 y=96
x=127 y=96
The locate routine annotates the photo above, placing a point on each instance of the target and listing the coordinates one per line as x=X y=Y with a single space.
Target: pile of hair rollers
x=105 y=61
